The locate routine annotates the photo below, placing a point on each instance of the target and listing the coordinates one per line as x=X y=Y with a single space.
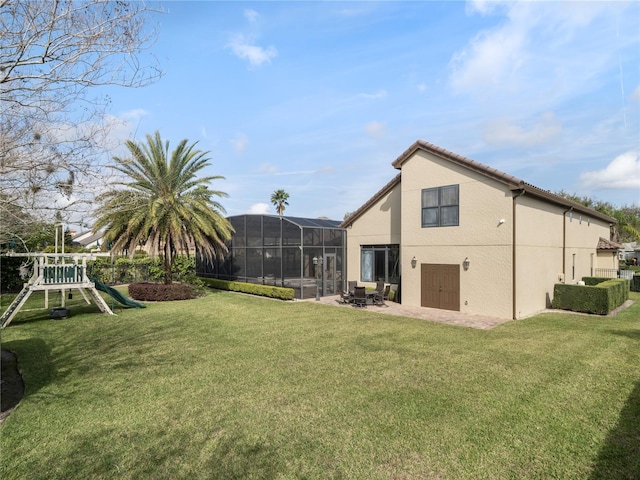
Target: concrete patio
x=436 y=315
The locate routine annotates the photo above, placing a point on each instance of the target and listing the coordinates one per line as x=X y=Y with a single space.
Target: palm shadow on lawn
x=619 y=458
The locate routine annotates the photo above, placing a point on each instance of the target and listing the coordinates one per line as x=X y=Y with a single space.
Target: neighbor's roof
x=604 y=244
x=87 y=238
x=514 y=183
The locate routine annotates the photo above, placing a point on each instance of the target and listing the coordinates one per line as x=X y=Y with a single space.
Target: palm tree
x=279 y=199
x=162 y=205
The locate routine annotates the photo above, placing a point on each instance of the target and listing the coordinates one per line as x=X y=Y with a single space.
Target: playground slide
x=115 y=294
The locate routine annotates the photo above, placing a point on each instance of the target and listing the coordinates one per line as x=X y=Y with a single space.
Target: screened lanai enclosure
x=306 y=254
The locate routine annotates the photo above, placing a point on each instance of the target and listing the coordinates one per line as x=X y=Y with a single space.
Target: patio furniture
x=359 y=297
x=346 y=297
x=383 y=296
x=352 y=285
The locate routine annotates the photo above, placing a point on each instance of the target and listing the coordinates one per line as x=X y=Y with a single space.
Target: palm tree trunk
x=167 y=263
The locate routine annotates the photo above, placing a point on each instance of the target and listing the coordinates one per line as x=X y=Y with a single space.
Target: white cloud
x=239 y=143
x=251 y=15
x=135 y=114
x=268 y=168
x=622 y=172
x=502 y=132
x=530 y=44
x=492 y=59
x=259 y=209
x=373 y=96
x=242 y=47
x=325 y=170
x=483 y=7
x=636 y=94
x=375 y=129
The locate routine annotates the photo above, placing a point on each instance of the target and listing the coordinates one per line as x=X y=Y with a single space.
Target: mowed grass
x=231 y=386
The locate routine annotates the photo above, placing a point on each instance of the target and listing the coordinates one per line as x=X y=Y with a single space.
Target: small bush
x=280 y=293
x=593 y=281
x=159 y=292
x=600 y=299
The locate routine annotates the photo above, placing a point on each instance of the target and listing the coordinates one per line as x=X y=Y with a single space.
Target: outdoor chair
x=379 y=287
x=360 y=297
x=383 y=296
x=346 y=297
x=352 y=286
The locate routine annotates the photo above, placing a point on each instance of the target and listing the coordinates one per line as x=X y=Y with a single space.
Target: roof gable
x=513 y=183
x=369 y=203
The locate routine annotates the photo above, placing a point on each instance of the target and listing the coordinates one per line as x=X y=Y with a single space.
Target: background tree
x=279 y=200
x=628 y=217
x=162 y=206
x=53 y=130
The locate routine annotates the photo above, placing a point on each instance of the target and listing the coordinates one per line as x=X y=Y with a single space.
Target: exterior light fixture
x=466 y=263
x=414 y=262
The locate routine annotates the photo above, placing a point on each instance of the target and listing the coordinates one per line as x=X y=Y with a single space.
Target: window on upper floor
x=440 y=206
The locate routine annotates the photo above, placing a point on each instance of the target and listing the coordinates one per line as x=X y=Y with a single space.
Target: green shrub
x=10 y=280
x=270 y=291
x=592 y=281
x=141 y=269
x=600 y=299
x=635 y=283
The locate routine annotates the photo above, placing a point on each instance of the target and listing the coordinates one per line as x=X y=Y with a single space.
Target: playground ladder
x=15 y=306
x=97 y=298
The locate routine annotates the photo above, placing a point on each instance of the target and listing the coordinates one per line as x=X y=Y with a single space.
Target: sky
x=319 y=98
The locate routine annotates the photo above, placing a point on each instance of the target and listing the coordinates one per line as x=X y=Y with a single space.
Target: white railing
x=613 y=273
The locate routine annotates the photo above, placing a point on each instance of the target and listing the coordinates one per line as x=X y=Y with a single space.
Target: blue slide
x=115 y=294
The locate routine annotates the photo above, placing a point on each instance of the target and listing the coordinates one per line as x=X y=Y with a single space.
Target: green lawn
x=233 y=386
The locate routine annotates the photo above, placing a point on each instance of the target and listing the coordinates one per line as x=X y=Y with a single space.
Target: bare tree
x=53 y=124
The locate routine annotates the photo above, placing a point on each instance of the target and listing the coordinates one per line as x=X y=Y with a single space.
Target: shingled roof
x=514 y=183
x=604 y=244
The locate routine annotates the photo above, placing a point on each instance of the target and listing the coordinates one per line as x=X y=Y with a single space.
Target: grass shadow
x=34 y=361
x=619 y=458
x=228 y=457
x=632 y=334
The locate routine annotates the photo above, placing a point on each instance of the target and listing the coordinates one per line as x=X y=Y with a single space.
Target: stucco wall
x=380 y=225
x=545 y=235
x=485 y=288
x=539 y=243
x=607 y=259
x=583 y=233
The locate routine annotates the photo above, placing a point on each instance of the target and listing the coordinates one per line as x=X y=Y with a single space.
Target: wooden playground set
x=63 y=272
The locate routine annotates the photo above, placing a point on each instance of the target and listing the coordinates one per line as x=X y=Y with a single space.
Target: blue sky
x=318 y=98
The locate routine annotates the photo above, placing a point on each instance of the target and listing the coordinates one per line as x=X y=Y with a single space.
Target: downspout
x=513 y=257
x=564 y=244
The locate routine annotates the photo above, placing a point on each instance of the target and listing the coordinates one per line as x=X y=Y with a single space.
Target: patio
x=437 y=315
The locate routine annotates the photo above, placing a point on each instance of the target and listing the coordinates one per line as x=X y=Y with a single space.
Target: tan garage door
x=440 y=286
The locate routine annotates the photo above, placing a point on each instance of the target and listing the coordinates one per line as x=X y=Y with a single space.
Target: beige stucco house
x=455 y=234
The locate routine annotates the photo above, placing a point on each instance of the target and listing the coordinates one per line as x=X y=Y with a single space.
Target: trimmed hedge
x=159 y=292
x=634 y=285
x=592 y=281
x=270 y=291
x=599 y=298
